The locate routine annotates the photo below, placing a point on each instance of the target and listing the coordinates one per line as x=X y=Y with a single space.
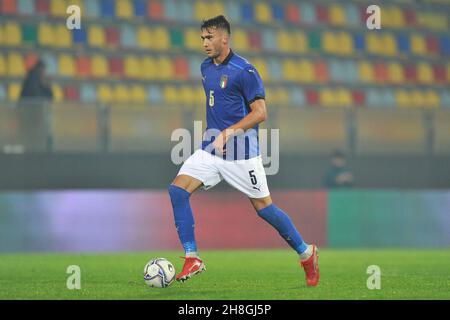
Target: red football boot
x=192 y=266
x=311 y=266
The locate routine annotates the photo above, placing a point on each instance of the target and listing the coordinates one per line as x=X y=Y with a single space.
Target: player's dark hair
x=219 y=22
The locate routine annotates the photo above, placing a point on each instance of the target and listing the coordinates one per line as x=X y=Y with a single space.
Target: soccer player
x=235 y=106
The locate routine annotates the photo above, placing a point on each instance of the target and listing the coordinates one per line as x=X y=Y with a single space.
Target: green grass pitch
x=231 y=274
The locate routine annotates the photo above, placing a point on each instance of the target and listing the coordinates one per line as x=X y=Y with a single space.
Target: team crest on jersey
x=223 y=81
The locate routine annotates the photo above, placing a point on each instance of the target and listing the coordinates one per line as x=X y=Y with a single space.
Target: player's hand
x=220 y=142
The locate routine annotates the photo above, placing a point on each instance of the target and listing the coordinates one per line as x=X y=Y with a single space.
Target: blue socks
x=278 y=219
x=184 y=220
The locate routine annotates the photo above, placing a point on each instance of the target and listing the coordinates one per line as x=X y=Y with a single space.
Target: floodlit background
x=87 y=170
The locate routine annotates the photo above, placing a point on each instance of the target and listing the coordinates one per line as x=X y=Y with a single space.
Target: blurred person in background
x=32 y=109
x=338 y=175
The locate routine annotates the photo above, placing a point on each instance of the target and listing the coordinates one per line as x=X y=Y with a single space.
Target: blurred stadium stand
x=131 y=74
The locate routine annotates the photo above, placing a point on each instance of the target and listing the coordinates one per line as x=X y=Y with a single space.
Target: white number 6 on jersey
x=211 y=98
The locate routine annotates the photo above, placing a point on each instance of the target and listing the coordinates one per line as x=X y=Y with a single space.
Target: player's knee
x=177 y=194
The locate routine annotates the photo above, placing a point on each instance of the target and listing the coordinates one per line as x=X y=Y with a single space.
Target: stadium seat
x=403 y=98
x=343 y=97
x=58 y=93
x=140 y=8
x=359 y=42
x=116 y=67
x=149 y=68
x=358 y=98
x=58 y=8
x=112 y=37
x=366 y=72
x=124 y=9
x=83 y=66
x=233 y=11
x=448 y=72
x=352 y=15
x=432 y=44
x=96 y=36
x=132 y=67
x=312 y=97
x=439 y=73
x=254 y=41
x=307 y=13
x=104 y=93
x=201 y=10
x=284 y=41
x=424 y=73
x=374 y=98
x=444 y=97
x=164 y=68
x=66 y=65
x=176 y=38
x=71 y=93
x=2 y=66
x=275 y=69
x=300 y=41
x=261 y=66
x=389 y=45
x=127 y=36
x=277 y=12
x=403 y=43
x=345 y=43
x=155 y=10
x=107 y=8
x=297 y=97
x=215 y=8
x=327 y=98
x=444 y=44
x=393 y=17
x=351 y=72
x=322 y=14
x=15 y=64
x=432 y=100
x=121 y=94
x=3 y=95
x=282 y=96
x=45 y=34
x=305 y=71
x=181 y=68
x=12 y=34
x=185 y=11
x=99 y=66
x=418 y=45
x=171 y=95
x=14 y=90
x=63 y=37
x=381 y=73
x=395 y=73
x=321 y=73
x=170 y=10
x=314 y=41
x=409 y=16
x=144 y=37
x=337 y=15
x=289 y=70
x=374 y=43
x=25 y=7
x=192 y=39
x=330 y=42
x=292 y=13
x=194 y=67
x=87 y=93
x=248 y=12
x=154 y=95
x=92 y=8
x=263 y=13
x=30 y=60
x=269 y=40
x=417 y=99
x=187 y=96
x=161 y=38
x=410 y=72
x=42 y=7
x=240 y=39
x=138 y=94
x=51 y=63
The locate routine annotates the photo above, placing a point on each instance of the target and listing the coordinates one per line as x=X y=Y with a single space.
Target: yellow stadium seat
x=79 y=3
x=305 y=71
x=403 y=99
x=392 y=17
x=2 y=66
x=240 y=40
x=215 y=8
x=418 y=45
x=200 y=96
x=374 y=43
x=170 y=95
x=432 y=100
x=389 y=45
x=192 y=38
x=337 y=15
x=138 y=94
x=366 y=73
x=99 y=66
x=2 y=35
x=417 y=99
x=132 y=67
x=345 y=43
x=299 y=39
x=124 y=9
x=289 y=67
x=343 y=97
x=148 y=65
x=263 y=12
x=16 y=65
x=395 y=72
x=164 y=68
x=145 y=38
x=261 y=66
x=58 y=94
x=327 y=98
x=161 y=38
x=14 y=91
x=282 y=96
x=121 y=94
x=66 y=65
x=104 y=93
x=12 y=34
x=58 y=8
x=46 y=35
x=187 y=96
x=96 y=36
x=284 y=41
x=424 y=73
x=63 y=37
x=330 y=43
x=201 y=10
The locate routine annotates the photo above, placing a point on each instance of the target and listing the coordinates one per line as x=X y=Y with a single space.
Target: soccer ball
x=159 y=273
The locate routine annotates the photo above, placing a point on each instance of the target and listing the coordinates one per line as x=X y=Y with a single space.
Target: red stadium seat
x=112 y=37
x=312 y=97
x=42 y=6
x=292 y=13
x=321 y=71
x=410 y=17
x=439 y=73
x=181 y=66
x=155 y=10
x=358 y=98
x=381 y=73
x=8 y=6
x=71 y=93
x=30 y=60
x=83 y=66
x=322 y=14
x=116 y=67
x=410 y=72
x=254 y=40
x=432 y=45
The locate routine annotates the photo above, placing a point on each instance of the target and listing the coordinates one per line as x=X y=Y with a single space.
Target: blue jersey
x=230 y=88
